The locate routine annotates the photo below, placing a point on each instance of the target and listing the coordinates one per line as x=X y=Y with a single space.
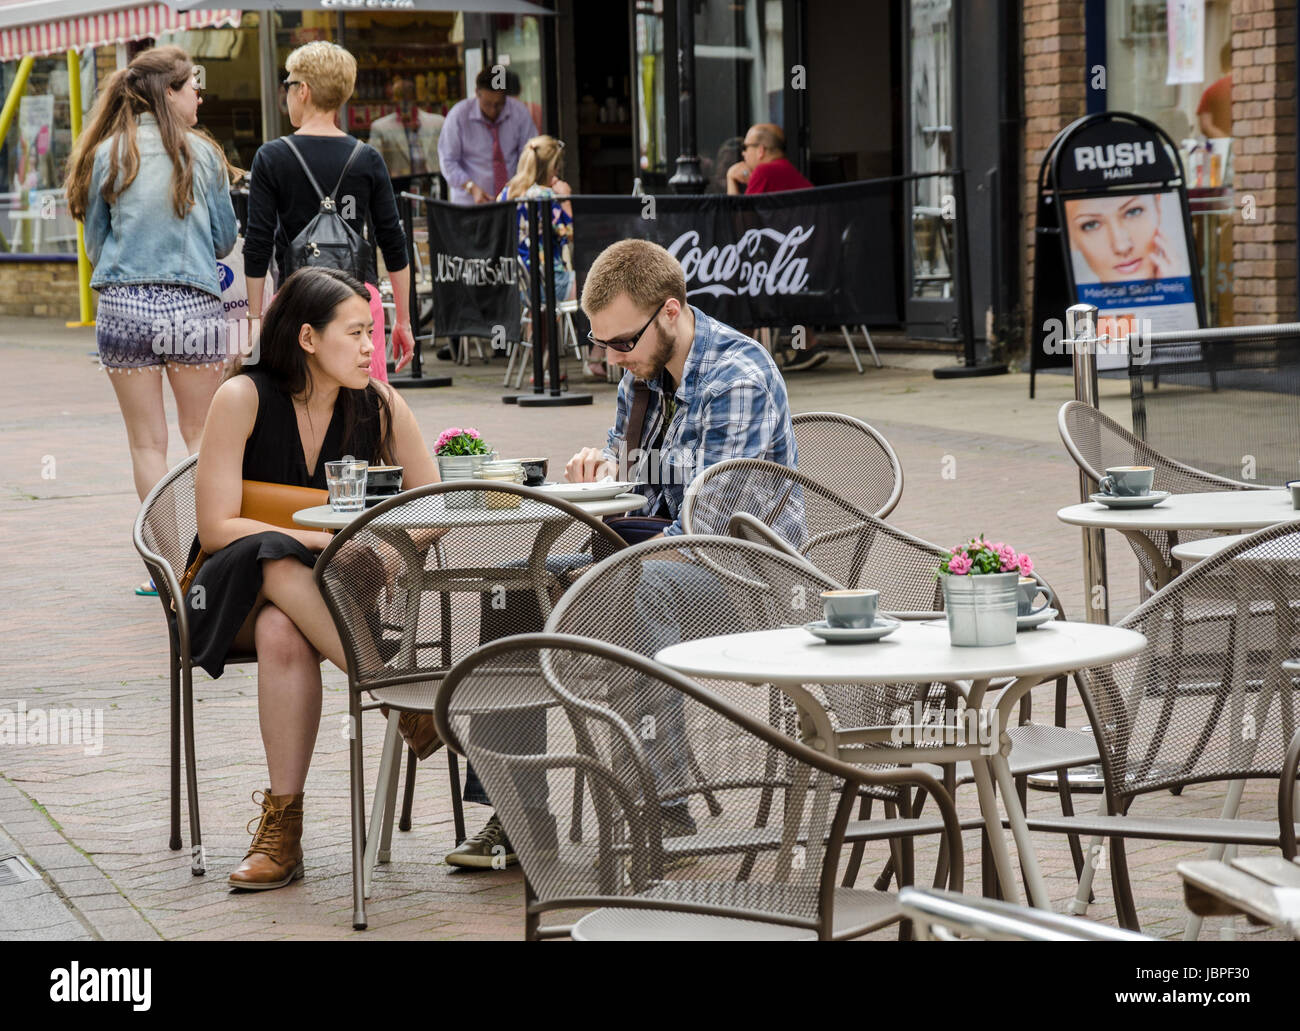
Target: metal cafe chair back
x=1097 y=442
x=619 y=859
x=853 y=459
x=467 y=563
x=1206 y=702
x=939 y=915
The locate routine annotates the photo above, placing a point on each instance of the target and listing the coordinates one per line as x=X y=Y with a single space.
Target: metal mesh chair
x=501 y=558
x=1204 y=702
x=943 y=916
x=598 y=768
x=850 y=457
x=818 y=523
x=165 y=527
x=683 y=588
x=1096 y=442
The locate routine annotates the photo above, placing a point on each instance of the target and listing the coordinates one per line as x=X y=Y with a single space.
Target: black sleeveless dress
x=231 y=578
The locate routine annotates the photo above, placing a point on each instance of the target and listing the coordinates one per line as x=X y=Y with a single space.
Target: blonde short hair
x=647 y=273
x=328 y=69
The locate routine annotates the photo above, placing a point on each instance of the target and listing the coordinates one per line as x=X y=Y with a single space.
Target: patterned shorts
x=154 y=324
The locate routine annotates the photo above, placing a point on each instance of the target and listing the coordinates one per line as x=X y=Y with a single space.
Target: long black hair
x=310 y=297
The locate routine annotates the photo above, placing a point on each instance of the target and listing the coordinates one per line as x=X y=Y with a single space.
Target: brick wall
x=1055 y=86
x=1263 y=127
x=42 y=289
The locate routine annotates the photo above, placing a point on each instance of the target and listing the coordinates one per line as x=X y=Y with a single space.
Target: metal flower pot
x=981 y=609
x=463 y=467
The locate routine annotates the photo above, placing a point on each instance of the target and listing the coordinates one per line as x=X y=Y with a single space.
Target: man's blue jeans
x=665 y=590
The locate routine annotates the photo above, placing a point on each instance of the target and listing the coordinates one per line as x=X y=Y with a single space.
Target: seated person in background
x=764 y=168
x=541 y=165
x=309 y=400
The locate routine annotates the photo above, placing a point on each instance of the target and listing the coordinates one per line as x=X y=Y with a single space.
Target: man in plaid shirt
x=714 y=393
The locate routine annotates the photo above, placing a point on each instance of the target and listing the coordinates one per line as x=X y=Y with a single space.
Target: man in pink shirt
x=763 y=168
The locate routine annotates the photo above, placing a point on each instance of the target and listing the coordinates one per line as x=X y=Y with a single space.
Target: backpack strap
x=320 y=194
x=346 y=165
x=636 y=417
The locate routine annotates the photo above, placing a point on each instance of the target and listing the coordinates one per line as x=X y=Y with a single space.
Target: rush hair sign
x=1113 y=153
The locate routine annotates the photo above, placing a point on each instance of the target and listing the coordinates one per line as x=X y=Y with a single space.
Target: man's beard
x=657 y=360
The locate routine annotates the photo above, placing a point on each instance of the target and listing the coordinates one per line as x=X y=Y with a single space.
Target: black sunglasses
x=623 y=346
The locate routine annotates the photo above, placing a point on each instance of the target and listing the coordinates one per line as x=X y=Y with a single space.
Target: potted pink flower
x=981 y=589
x=461 y=454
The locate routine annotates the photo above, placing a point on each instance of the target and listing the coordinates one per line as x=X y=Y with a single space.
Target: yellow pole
x=16 y=92
x=83 y=262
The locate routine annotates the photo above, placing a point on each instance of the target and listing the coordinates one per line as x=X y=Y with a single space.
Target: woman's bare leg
x=288 y=698
x=288 y=585
x=193 y=386
x=139 y=396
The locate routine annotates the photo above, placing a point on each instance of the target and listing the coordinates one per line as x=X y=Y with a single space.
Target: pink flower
x=959 y=565
x=471 y=432
x=1026 y=565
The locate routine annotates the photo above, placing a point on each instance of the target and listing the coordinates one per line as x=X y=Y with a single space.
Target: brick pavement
x=96 y=824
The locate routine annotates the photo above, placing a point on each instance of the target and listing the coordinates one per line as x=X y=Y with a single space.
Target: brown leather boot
x=418 y=731
x=274 y=858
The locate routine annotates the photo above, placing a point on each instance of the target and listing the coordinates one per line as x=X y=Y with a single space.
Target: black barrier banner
x=473 y=251
x=824 y=256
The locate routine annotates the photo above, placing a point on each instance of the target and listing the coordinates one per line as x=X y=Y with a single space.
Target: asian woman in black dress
x=309 y=399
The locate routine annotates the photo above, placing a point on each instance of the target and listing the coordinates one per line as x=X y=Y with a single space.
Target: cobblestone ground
x=75 y=635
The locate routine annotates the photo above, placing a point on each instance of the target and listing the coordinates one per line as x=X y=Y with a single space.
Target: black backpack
x=328 y=241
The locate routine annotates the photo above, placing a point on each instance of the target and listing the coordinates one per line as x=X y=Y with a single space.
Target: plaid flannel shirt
x=731 y=403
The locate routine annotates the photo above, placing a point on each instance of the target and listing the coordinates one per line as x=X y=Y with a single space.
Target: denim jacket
x=139 y=239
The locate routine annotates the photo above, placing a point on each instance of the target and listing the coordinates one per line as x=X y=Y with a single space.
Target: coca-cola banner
x=472 y=251
x=826 y=256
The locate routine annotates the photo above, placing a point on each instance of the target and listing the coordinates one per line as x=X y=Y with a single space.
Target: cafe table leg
x=993 y=821
x=384 y=790
x=1010 y=697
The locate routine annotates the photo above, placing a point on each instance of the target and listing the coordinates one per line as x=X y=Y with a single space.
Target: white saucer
x=1035 y=620
x=1141 y=501
x=587 y=491
x=883 y=627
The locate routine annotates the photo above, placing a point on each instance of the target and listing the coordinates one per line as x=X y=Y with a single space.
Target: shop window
x=34 y=215
x=1179 y=76
x=231 y=79
x=410 y=71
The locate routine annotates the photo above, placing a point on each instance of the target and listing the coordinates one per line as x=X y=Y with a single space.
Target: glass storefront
x=650 y=70
x=930 y=147
x=738 y=67
x=34 y=215
x=1179 y=76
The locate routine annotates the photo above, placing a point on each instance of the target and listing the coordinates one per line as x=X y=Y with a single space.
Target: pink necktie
x=499 y=174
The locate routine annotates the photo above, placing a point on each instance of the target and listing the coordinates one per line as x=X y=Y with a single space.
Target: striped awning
x=95 y=26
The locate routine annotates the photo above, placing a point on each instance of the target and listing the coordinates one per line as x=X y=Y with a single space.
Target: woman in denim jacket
x=154 y=195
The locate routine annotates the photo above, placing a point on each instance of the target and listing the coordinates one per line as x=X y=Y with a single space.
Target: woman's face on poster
x=1119 y=237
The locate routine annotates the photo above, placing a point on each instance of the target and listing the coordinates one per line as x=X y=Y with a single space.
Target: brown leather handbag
x=273 y=503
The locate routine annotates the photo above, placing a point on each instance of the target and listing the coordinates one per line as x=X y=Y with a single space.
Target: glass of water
x=346 y=480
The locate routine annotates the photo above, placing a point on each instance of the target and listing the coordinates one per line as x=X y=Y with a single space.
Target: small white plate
x=1037 y=619
x=1141 y=501
x=884 y=626
x=587 y=491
